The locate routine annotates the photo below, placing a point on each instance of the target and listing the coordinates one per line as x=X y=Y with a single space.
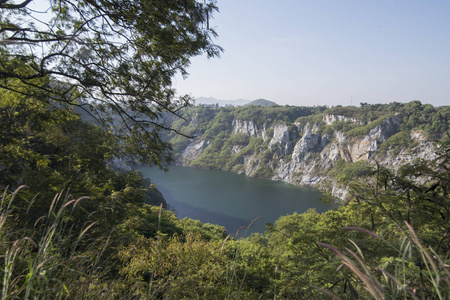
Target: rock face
x=244 y=126
x=264 y=134
x=329 y=119
x=363 y=149
x=310 y=142
x=425 y=149
x=194 y=150
x=304 y=154
x=281 y=139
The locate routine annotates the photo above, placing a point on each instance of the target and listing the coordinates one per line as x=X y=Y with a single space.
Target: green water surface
x=229 y=199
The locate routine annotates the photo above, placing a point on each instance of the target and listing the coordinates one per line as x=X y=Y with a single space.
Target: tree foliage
x=115 y=245
x=113 y=59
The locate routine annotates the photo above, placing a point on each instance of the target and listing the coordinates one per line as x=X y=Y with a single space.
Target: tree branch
x=4 y=5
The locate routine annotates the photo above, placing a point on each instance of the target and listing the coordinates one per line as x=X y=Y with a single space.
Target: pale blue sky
x=318 y=52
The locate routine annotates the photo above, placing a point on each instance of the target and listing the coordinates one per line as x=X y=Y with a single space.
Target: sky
x=334 y=52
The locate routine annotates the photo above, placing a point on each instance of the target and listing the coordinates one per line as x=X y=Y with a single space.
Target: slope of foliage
x=227 y=137
x=366 y=249
x=74 y=226
x=82 y=229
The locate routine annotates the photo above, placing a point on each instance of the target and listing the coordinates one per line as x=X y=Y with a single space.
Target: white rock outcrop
x=329 y=119
x=194 y=150
x=280 y=135
x=307 y=159
x=246 y=127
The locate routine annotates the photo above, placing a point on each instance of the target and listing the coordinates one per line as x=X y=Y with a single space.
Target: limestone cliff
x=304 y=151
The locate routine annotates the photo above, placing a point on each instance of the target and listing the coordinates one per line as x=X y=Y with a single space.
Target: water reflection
x=229 y=199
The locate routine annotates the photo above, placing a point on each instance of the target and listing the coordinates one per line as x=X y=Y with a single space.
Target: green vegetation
x=350 y=171
x=84 y=229
x=235 y=133
x=366 y=249
x=415 y=115
x=114 y=62
x=397 y=142
x=364 y=130
x=74 y=225
x=261 y=115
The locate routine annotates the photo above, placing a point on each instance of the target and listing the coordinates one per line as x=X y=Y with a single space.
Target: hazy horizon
x=213 y=100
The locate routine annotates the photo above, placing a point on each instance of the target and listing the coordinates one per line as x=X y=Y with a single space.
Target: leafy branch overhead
x=109 y=57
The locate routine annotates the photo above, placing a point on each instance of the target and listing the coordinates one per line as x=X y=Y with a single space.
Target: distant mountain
x=211 y=100
x=262 y=102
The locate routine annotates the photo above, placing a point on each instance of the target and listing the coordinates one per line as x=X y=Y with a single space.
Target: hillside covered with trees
x=90 y=87
x=81 y=229
x=317 y=146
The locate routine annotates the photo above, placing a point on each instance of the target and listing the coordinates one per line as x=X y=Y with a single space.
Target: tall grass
x=150 y=295
x=11 y=253
x=41 y=265
x=419 y=272
x=234 y=284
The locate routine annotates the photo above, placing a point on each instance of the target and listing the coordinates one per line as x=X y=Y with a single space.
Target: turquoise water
x=229 y=199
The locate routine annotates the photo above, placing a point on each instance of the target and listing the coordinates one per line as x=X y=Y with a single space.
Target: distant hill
x=211 y=100
x=262 y=102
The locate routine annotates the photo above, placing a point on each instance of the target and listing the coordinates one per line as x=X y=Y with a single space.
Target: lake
x=229 y=199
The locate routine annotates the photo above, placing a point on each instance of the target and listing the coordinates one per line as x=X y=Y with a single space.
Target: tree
x=114 y=59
